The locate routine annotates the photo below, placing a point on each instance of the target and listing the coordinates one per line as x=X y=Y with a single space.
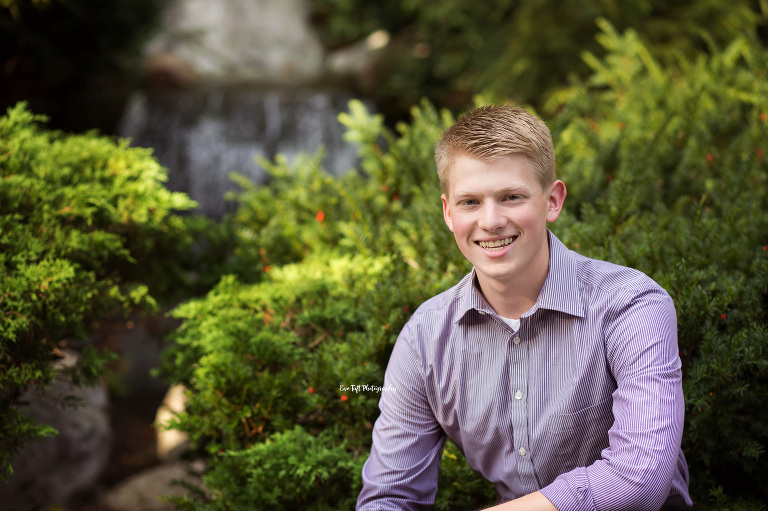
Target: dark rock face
x=51 y=471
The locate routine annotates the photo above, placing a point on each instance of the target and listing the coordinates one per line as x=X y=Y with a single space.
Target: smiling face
x=498 y=214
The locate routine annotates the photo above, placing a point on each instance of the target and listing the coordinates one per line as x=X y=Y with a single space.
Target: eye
x=468 y=202
x=512 y=197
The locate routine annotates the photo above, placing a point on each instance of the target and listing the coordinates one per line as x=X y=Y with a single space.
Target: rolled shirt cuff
x=570 y=493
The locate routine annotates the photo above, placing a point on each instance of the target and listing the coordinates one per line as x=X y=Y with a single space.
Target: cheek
x=461 y=226
x=532 y=218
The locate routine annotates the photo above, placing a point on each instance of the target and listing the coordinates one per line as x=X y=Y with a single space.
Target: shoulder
x=631 y=310
x=584 y=286
x=424 y=337
x=634 y=316
x=620 y=283
x=436 y=317
x=627 y=306
x=448 y=303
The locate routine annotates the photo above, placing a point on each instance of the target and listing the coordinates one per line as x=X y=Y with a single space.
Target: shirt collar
x=560 y=291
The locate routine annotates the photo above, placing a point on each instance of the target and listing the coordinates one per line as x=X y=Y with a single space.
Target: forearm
x=532 y=502
x=407 y=442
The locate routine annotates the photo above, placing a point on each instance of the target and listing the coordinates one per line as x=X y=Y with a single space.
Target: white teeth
x=497 y=243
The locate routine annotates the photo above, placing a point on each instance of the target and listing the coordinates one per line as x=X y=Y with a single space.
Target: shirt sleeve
x=401 y=472
x=636 y=470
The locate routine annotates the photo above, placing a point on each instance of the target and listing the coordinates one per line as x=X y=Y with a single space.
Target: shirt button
x=482 y=312
x=522 y=451
x=518 y=395
x=516 y=340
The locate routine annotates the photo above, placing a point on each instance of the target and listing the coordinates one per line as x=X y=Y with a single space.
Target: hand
x=532 y=502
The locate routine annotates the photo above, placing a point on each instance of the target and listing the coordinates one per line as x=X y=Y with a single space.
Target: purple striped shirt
x=584 y=402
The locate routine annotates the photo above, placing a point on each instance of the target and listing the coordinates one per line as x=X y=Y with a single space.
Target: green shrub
x=305 y=210
x=289 y=470
x=82 y=221
x=447 y=50
x=332 y=287
x=666 y=173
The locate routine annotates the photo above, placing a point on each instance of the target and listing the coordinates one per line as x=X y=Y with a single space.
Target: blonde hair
x=494 y=132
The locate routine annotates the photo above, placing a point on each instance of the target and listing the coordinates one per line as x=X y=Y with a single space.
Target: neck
x=511 y=299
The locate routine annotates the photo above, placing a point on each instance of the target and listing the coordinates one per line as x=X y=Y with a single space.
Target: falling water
x=203 y=135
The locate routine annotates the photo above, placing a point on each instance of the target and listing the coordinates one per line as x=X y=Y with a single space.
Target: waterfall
x=203 y=134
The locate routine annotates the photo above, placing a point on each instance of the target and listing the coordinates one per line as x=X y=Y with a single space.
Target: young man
x=557 y=376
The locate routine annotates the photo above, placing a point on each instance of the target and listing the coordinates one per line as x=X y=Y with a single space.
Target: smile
x=497 y=244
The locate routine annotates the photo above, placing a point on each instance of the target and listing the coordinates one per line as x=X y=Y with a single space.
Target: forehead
x=469 y=174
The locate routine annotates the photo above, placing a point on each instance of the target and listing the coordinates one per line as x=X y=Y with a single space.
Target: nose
x=491 y=217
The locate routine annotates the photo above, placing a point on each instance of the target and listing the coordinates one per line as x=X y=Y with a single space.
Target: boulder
x=52 y=471
x=359 y=64
x=171 y=443
x=145 y=490
x=236 y=41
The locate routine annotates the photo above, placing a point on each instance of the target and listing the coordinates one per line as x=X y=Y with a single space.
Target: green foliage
x=313 y=471
x=304 y=209
x=459 y=488
x=339 y=265
x=82 y=219
x=447 y=50
x=666 y=172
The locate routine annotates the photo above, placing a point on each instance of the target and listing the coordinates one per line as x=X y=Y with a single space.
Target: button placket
x=518 y=389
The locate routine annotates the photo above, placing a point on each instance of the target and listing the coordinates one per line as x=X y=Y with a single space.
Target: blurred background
x=209 y=84
x=216 y=87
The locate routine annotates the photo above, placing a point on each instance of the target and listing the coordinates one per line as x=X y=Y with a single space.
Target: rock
x=51 y=471
x=143 y=491
x=359 y=63
x=166 y=70
x=235 y=41
x=171 y=443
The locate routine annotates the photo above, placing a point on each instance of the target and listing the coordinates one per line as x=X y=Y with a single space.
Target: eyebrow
x=500 y=191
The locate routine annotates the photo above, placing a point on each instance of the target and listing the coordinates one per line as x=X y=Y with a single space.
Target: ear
x=447 y=213
x=555 y=200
